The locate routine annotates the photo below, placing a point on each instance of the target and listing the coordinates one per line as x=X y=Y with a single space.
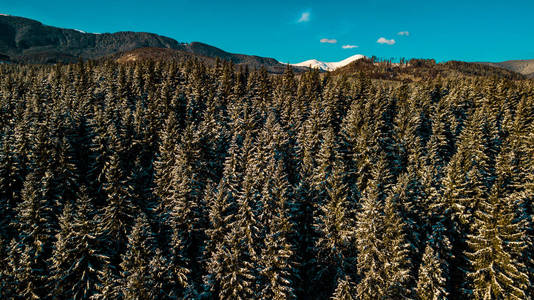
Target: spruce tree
x=222 y=205
x=469 y=177
x=77 y=255
x=117 y=215
x=432 y=281
x=335 y=230
x=344 y=289
x=36 y=234
x=110 y=284
x=234 y=269
x=399 y=281
x=169 y=137
x=369 y=245
x=7 y=278
x=382 y=261
x=138 y=280
x=496 y=251
x=276 y=263
x=232 y=258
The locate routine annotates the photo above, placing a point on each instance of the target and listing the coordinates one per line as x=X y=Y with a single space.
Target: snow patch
x=328 y=66
x=86 y=31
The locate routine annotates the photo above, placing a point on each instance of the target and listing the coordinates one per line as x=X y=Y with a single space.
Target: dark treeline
x=422 y=69
x=177 y=180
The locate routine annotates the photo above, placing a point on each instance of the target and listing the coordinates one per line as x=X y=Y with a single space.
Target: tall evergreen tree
x=344 y=289
x=36 y=229
x=382 y=261
x=496 y=251
x=369 y=245
x=138 y=275
x=335 y=230
x=399 y=282
x=276 y=260
x=117 y=215
x=432 y=282
x=77 y=255
x=231 y=259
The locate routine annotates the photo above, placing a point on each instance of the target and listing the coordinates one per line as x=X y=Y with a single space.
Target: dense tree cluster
x=422 y=69
x=156 y=180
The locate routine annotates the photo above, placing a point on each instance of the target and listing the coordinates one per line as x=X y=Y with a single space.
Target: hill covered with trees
x=158 y=180
x=423 y=69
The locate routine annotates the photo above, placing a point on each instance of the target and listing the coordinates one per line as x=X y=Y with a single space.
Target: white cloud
x=329 y=41
x=404 y=33
x=349 y=46
x=383 y=40
x=305 y=17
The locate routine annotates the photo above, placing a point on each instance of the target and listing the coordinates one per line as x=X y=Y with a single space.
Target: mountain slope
x=148 y=53
x=328 y=66
x=525 y=67
x=252 y=61
x=29 y=41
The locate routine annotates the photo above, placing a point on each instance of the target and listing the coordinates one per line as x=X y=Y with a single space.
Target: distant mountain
x=328 y=66
x=525 y=67
x=26 y=40
x=29 y=41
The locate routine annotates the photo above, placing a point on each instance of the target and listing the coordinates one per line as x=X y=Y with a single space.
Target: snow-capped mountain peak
x=328 y=66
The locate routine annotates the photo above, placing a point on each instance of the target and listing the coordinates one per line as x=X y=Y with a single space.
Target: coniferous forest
x=173 y=180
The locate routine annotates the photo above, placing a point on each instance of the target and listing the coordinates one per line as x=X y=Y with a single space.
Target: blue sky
x=292 y=31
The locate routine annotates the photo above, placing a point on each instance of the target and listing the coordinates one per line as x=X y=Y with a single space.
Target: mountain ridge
x=24 y=40
x=30 y=41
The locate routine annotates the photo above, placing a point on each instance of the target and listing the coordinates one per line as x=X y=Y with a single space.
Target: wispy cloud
x=305 y=17
x=383 y=40
x=349 y=46
x=404 y=33
x=328 y=41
